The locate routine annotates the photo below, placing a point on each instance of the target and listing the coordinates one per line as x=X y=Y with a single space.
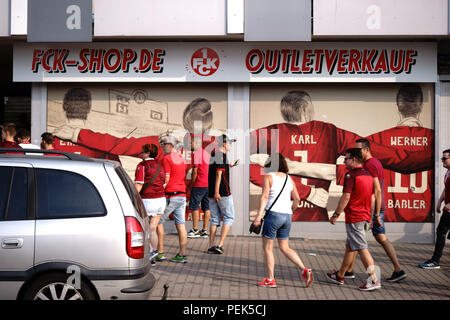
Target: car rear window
x=64 y=194
x=132 y=192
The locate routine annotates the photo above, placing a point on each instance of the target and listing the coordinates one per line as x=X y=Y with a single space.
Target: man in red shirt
x=199 y=187
x=175 y=190
x=444 y=222
x=8 y=134
x=356 y=202
x=374 y=167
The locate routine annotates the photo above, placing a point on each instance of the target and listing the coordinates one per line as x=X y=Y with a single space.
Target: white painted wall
x=159 y=18
x=235 y=16
x=380 y=17
x=19 y=18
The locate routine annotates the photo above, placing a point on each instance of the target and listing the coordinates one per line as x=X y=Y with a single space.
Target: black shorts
x=199 y=195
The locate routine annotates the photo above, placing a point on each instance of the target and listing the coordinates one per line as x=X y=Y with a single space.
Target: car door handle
x=12 y=243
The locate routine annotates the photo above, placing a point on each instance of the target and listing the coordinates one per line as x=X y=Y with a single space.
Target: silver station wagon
x=71 y=227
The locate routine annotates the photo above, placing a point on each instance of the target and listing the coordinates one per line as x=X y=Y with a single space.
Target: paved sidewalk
x=234 y=274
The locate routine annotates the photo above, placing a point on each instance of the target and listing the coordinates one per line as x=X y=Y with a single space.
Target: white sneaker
x=370 y=285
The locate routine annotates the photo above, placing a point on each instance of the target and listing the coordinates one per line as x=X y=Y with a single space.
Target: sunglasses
x=444 y=158
x=348 y=159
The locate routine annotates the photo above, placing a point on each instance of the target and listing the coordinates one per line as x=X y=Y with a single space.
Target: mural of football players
x=408 y=196
x=303 y=140
x=77 y=105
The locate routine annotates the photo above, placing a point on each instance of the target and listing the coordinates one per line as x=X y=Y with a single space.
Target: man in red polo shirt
x=359 y=185
x=175 y=190
x=374 y=167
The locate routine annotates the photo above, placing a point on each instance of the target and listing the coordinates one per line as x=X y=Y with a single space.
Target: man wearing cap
x=175 y=190
x=219 y=193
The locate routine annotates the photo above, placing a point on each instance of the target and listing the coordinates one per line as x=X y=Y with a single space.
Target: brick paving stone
x=234 y=274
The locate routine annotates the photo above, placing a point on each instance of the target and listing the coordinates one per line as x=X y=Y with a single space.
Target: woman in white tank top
x=277 y=221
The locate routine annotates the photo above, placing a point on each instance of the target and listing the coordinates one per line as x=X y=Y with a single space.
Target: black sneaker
x=219 y=249
x=349 y=275
x=429 y=264
x=203 y=233
x=212 y=250
x=397 y=276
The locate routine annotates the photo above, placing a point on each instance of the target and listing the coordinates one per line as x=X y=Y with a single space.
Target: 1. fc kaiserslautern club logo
x=205 y=61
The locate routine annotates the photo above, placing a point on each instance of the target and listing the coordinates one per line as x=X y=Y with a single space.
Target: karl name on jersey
x=302 y=139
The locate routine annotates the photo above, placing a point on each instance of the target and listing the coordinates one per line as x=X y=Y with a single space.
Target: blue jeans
x=177 y=206
x=277 y=224
x=223 y=208
x=441 y=231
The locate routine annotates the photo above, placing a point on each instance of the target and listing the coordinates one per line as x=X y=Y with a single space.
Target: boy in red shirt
x=356 y=202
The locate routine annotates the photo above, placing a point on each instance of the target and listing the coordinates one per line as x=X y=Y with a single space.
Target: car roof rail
x=68 y=155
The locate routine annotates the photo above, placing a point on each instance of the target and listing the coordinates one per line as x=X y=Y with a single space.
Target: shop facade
x=138 y=90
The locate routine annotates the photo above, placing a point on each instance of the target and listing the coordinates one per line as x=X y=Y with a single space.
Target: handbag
x=257 y=229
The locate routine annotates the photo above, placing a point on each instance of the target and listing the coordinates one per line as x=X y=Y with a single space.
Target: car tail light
x=135 y=238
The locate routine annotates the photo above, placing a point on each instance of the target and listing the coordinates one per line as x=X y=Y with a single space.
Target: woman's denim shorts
x=277 y=224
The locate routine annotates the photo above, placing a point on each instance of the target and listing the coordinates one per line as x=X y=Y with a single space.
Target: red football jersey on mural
x=68 y=146
x=118 y=146
x=408 y=197
x=314 y=142
x=321 y=142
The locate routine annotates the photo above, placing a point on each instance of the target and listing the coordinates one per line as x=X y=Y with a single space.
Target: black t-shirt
x=219 y=162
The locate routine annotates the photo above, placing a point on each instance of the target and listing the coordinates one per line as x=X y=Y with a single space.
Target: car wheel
x=56 y=287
